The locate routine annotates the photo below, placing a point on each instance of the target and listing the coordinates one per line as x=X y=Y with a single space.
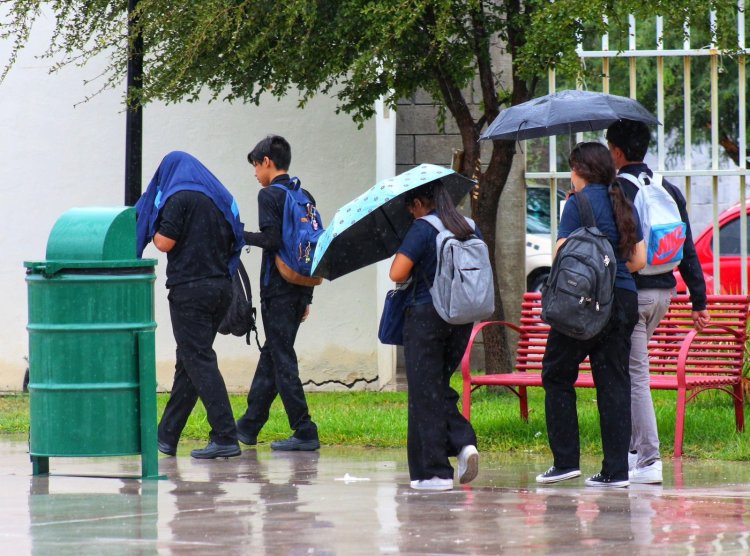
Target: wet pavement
x=344 y=501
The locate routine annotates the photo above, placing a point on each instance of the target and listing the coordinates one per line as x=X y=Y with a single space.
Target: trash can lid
x=92 y=237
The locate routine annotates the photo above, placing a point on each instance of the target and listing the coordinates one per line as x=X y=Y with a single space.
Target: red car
x=729 y=258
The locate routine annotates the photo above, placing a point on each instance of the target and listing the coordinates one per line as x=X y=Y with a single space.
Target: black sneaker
x=600 y=480
x=294 y=444
x=214 y=450
x=167 y=449
x=555 y=475
x=246 y=438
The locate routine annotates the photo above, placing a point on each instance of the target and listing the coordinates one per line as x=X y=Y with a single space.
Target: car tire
x=536 y=280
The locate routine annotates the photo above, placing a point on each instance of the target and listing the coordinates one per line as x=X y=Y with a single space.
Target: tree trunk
x=497 y=351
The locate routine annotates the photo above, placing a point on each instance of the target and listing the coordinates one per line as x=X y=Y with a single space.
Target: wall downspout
x=385 y=167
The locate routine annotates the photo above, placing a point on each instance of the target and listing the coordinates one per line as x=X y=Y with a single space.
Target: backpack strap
x=632 y=179
x=655 y=179
x=294 y=185
x=436 y=223
x=242 y=271
x=585 y=211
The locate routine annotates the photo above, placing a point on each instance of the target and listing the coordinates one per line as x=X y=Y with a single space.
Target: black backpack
x=577 y=296
x=240 y=317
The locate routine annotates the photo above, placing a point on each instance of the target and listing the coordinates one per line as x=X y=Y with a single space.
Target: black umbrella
x=565 y=112
x=371 y=227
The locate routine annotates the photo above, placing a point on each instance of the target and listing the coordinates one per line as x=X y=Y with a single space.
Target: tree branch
x=484 y=63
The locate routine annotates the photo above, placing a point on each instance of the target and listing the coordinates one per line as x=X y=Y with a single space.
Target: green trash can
x=92 y=377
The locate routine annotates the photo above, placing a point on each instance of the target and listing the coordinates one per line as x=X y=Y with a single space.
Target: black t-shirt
x=204 y=238
x=270 y=218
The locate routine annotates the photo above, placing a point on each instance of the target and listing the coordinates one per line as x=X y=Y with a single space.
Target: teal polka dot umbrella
x=371 y=227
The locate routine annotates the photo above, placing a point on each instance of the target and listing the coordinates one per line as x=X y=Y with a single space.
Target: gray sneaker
x=294 y=444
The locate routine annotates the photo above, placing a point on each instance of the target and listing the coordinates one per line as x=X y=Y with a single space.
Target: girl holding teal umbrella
x=432 y=350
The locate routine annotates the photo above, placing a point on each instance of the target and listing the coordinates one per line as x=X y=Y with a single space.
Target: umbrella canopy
x=371 y=227
x=565 y=112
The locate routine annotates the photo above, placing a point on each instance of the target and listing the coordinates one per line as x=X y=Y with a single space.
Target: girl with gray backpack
x=433 y=348
x=593 y=176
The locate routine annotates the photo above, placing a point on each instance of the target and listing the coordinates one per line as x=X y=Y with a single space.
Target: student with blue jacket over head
x=283 y=307
x=192 y=217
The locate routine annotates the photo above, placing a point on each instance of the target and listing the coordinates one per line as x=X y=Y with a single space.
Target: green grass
x=378 y=419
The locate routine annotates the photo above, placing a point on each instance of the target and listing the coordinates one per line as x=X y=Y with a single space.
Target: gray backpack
x=577 y=297
x=463 y=290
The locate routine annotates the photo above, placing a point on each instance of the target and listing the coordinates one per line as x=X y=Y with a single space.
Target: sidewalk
x=357 y=502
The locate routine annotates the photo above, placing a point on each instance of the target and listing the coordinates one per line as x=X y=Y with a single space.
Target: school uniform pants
x=653 y=304
x=436 y=429
x=608 y=352
x=277 y=371
x=196 y=310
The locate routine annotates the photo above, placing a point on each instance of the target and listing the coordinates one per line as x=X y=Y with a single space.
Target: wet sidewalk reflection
x=357 y=501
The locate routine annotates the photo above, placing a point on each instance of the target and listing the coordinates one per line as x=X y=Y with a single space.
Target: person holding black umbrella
x=432 y=350
x=593 y=175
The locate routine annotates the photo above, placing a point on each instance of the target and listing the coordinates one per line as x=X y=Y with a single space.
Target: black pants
x=277 y=371
x=196 y=310
x=437 y=430
x=609 y=354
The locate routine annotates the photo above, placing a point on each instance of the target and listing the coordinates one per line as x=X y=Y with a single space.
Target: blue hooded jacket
x=180 y=171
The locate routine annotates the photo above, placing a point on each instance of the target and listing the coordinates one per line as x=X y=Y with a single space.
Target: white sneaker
x=468 y=464
x=651 y=474
x=632 y=460
x=436 y=483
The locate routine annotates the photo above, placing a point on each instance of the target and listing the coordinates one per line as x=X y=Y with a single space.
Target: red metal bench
x=681 y=358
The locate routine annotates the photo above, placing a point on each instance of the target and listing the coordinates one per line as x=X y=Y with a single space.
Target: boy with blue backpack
x=285 y=297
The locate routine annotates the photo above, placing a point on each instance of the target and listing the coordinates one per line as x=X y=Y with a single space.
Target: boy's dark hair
x=630 y=136
x=276 y=148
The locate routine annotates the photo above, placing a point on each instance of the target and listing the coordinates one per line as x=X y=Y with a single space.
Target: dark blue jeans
x=436 y=430
x=609 y=354
x=277 y=371
x=196 y=309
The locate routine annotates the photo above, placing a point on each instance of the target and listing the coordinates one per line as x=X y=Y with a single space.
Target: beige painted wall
x=59 y=152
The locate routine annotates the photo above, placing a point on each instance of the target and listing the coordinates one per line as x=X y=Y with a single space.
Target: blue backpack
x=301 y=228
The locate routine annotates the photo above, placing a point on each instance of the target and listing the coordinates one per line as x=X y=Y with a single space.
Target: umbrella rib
x=393 y=228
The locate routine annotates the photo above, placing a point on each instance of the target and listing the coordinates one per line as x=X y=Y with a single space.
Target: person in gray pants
x=628 y=142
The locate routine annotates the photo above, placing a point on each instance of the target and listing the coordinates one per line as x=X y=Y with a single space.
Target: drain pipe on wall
x=385 y=167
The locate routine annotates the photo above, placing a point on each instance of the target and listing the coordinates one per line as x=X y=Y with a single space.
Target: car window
x=729 y=237
x=538 y=209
